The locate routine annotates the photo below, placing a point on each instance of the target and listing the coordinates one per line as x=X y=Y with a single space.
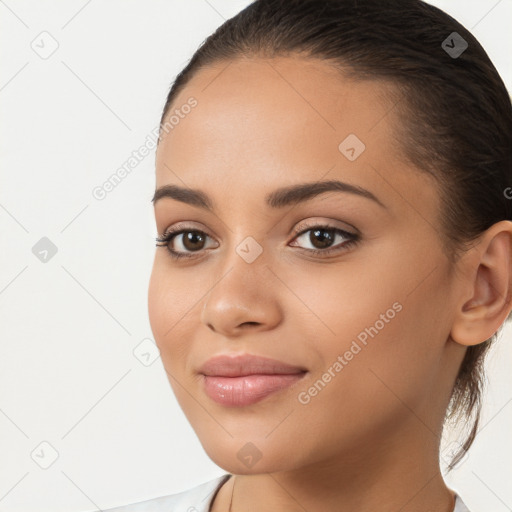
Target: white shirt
x=200 y=498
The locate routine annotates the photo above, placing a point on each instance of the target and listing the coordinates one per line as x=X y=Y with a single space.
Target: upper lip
x=246 y=364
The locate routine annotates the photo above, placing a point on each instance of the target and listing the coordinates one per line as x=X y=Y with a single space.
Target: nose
x=243 y=298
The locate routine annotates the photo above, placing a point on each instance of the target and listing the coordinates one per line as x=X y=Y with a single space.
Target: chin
x=243 y=457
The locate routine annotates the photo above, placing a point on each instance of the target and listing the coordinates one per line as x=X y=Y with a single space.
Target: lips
x=246 y=364
x=237 y=381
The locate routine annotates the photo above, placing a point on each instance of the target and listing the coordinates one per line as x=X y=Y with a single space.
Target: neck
x=397 y=473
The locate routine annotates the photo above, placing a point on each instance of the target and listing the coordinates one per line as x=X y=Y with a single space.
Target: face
x=346 y=282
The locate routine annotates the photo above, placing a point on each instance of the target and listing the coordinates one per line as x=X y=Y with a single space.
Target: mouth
x=247 y=389
x=237 y=381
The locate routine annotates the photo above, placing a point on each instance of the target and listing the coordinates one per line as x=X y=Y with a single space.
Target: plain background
x=71 y=327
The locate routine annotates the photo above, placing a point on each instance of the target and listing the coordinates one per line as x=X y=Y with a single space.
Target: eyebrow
x=277 y=199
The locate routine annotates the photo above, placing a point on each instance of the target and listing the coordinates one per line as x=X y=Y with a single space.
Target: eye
x=183 y=242
x=186 y=241
x=323 y=237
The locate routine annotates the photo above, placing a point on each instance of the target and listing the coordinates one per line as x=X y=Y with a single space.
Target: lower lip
x=246 y=390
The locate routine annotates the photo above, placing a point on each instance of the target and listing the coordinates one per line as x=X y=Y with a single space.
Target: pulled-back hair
x=455 y=112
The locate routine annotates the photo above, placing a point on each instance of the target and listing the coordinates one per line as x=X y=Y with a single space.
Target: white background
x=68 y=374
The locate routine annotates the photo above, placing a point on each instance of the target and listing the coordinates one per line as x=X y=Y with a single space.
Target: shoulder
x=196 y=499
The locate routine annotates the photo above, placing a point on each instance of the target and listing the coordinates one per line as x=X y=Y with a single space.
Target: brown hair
x=457 y=111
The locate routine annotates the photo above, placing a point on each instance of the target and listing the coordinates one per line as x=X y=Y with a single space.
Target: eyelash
x=352 y=239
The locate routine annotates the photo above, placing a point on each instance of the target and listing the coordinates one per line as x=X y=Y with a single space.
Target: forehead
x=263 y=103
x=262 y=123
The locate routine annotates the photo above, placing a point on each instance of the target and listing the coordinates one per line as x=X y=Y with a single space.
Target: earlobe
x=489 y=278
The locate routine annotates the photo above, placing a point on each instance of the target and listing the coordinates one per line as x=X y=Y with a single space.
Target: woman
x=334 y=251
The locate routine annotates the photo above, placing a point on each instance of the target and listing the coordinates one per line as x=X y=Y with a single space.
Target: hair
x=455 y=113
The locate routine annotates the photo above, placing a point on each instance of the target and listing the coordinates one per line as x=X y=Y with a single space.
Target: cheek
x=339 y=303
x=374 y=372
x=383 y=320
x=170 y=308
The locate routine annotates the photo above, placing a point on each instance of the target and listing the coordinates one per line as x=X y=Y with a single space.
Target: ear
x=487 y=291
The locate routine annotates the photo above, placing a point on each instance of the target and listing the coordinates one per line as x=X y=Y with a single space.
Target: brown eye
x=322 y=240
x=193 y=240
x=183 y=243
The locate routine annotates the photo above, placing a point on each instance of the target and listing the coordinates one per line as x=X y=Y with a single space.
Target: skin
x=369 y=440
